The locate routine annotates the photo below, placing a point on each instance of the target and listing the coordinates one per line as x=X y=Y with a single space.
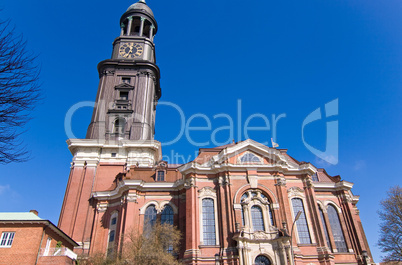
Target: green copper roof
x=28 y=216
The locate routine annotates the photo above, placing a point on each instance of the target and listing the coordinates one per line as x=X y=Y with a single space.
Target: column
x=129 y=24
x=142 y=26
x=151 y=32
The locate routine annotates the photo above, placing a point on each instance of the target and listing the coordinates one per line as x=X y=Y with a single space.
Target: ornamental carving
x=295 y=192
x=347 y=198
x=207 y=192
x=280 y=181
x=189 y=183
x=260 y=235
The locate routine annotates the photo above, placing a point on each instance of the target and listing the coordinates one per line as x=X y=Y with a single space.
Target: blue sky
x=274 y=57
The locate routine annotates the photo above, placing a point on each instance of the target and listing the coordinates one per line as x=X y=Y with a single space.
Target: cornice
x=140 y=185
x=326 y=186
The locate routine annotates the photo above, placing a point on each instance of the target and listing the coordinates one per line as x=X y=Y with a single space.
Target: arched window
x=249 y=158
x=301 y=224
x=257 y=219
x=336 y=229
x=167 y=215
x=208 y=221
x=324 y=225
x=150 y=217
x=262 y=260
x=112 y=234
x=119 y=126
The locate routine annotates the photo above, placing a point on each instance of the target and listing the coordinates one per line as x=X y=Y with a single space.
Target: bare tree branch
x=390 y=240
x=19 y=92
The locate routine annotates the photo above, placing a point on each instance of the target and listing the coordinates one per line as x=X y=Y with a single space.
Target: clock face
x=130 y=50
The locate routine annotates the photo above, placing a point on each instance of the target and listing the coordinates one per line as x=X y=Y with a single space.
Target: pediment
x=124 y=86
x=248 y=154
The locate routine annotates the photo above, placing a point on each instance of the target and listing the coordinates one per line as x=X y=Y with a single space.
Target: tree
x=155 y=246
x=390 y=240
x=19 y=92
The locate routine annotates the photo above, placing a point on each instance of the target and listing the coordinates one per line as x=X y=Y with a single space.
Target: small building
x=28 y=239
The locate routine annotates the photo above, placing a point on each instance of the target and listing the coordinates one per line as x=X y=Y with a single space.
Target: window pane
x=271 y=217
x=315 y=177
x=7 y=239
x=161 y=176
x=249 y=157
x=262 y=260
x=111 y=236
x=336 y=229
x=150 y=216
x=325 y=227
x=302 y=227
x=256 y=216
x=167 y=215
x=208 y=222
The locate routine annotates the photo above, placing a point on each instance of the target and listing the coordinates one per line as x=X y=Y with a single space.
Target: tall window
x=336 y=229
x=301 y=224
x=167 y=215
x=257 y=219
x=150 y=217
x=119 y=125
x=208 y=222
x=112 y=234
x=324 y=225
x=6 y=239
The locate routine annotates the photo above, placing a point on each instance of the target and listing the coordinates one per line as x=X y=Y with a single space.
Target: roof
x=32 y=218
x=141 y=6
x=26 y=216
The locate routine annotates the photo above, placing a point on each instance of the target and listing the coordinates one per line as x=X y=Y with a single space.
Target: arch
x=163 y=204
x=155 y=203
x=336 y=228
x=327 y=203
x=262 y=260
x=167 y=215
x=119 y=125
x=242 y=189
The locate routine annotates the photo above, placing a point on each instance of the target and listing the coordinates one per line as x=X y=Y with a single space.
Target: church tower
x=129 y=82
x=121 y=133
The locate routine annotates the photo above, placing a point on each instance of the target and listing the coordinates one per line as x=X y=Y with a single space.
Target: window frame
x=6 y=240
x=307 y=214
x=257 y=200
x=112 y=231
x=336 y=214
x=208 y=193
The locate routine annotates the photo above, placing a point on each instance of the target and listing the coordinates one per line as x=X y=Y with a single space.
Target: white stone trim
x=145 y=206
x=338 y=208
x=164 y=203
